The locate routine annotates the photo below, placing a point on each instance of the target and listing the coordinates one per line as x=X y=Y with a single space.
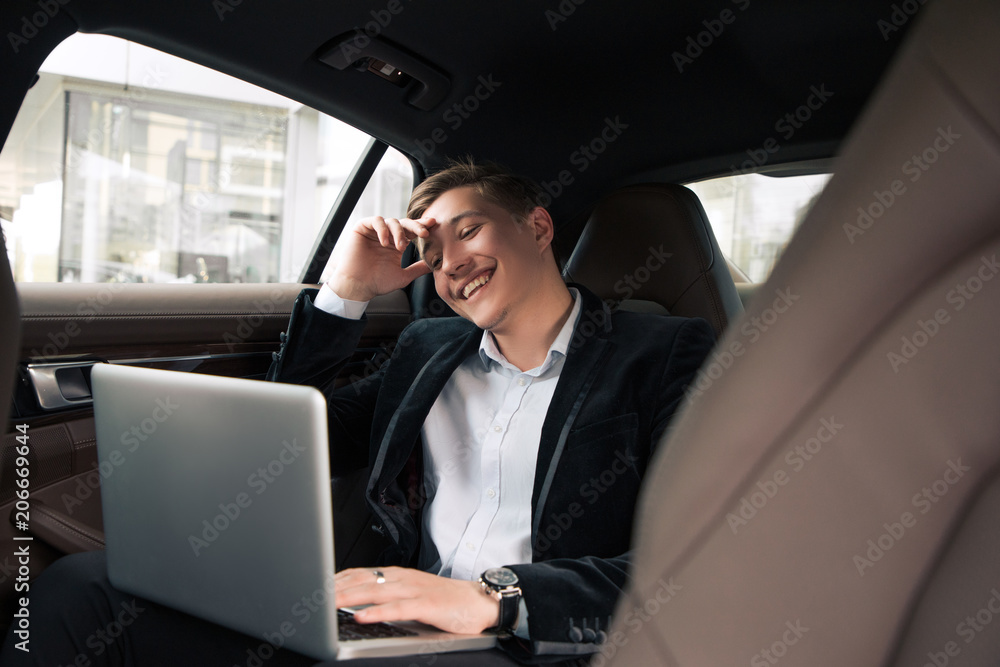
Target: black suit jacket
x=622 y=380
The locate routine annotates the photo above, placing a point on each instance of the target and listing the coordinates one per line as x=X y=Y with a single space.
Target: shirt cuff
x=521 y=629
x=327 y=300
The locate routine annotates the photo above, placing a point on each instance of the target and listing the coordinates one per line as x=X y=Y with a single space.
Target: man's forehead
x=450 y=222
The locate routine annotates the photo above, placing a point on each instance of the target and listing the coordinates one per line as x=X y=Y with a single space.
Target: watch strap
x=510 y=603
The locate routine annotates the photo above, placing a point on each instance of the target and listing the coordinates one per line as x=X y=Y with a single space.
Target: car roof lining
x=568 y=77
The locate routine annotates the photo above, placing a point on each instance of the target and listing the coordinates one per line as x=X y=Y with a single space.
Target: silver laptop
x=217 y=503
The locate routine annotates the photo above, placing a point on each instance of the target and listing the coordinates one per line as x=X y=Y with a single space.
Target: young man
x=536 y=435
x=506 y=447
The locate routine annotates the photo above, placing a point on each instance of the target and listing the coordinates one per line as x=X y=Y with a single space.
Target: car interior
x=826 y=492
x=840 y=513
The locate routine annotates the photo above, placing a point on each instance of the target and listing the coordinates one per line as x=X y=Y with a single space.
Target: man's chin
x=493 y=324
x=486 y=321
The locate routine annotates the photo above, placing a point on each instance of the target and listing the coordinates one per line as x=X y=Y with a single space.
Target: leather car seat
x=830 y=494
x=653 y=243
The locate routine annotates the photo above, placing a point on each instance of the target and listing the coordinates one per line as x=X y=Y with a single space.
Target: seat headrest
x=653 y=242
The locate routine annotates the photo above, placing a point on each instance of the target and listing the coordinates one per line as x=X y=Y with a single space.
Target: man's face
x=485 y=263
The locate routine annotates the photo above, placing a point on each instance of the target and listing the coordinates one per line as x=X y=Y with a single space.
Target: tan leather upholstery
x=653 y=242
x=832 y=497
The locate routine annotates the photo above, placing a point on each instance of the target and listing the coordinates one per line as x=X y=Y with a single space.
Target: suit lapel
x=585 y=356
x=416 y=402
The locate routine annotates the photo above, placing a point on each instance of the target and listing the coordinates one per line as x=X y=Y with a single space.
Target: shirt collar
x=489 y=352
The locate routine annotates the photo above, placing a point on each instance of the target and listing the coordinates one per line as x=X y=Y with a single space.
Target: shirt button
x=498 y=429
x=470 y=546
x=522 y=381
x=491 y=493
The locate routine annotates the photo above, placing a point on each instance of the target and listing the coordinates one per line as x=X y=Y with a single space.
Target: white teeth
x=481 y=280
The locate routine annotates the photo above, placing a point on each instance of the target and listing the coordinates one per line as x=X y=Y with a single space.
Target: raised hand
x=367 y=258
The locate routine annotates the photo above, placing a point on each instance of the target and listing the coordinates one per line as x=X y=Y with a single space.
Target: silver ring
x=379 y=577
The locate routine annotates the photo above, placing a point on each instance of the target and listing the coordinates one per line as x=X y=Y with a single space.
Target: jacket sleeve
x=314 y=349
x=570 y=601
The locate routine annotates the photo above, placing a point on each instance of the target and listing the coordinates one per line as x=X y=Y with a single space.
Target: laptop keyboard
x=349 y=629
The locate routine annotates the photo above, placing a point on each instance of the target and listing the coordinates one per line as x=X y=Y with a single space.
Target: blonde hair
x=517 y=195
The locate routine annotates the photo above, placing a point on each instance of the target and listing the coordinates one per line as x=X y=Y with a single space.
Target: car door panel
x=219 y=329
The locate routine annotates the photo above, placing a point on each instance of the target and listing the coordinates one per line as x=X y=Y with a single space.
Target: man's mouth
x=473 y=285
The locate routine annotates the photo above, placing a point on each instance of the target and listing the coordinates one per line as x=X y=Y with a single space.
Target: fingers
x=361 y=586
x=420 y=226
x=405 y=609
x=394 y=232
x=362 y=577
x=359 y=576
x=399 y=234
x=415 y=270
x=407 y=594
x=381 y=230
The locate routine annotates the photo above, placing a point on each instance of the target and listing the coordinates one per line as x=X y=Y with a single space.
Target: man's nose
x=453 y=259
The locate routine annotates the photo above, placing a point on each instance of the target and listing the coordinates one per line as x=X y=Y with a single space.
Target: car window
x=387 y=194
x=753 y=215
x=126 y=164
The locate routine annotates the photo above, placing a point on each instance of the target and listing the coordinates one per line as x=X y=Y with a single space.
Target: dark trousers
x=79 y=619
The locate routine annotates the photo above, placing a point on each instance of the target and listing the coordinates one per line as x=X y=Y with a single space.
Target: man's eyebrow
x=455 y=219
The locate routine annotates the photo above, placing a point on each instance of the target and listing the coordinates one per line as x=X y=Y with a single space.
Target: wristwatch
x=500 y=583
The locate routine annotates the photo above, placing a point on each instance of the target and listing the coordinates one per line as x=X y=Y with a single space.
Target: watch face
x=500 y=577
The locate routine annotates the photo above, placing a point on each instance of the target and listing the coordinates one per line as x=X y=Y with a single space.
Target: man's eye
x=467 y=232
x=435 y=263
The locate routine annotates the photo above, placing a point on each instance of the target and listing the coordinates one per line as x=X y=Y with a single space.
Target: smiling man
x=505 y=447
x=506 y=416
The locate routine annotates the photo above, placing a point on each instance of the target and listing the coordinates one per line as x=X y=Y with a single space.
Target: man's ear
x=542 y=227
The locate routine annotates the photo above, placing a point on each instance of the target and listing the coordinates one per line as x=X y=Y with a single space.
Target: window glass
x=126 y=164
x=387 y=194
x=753 y=215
